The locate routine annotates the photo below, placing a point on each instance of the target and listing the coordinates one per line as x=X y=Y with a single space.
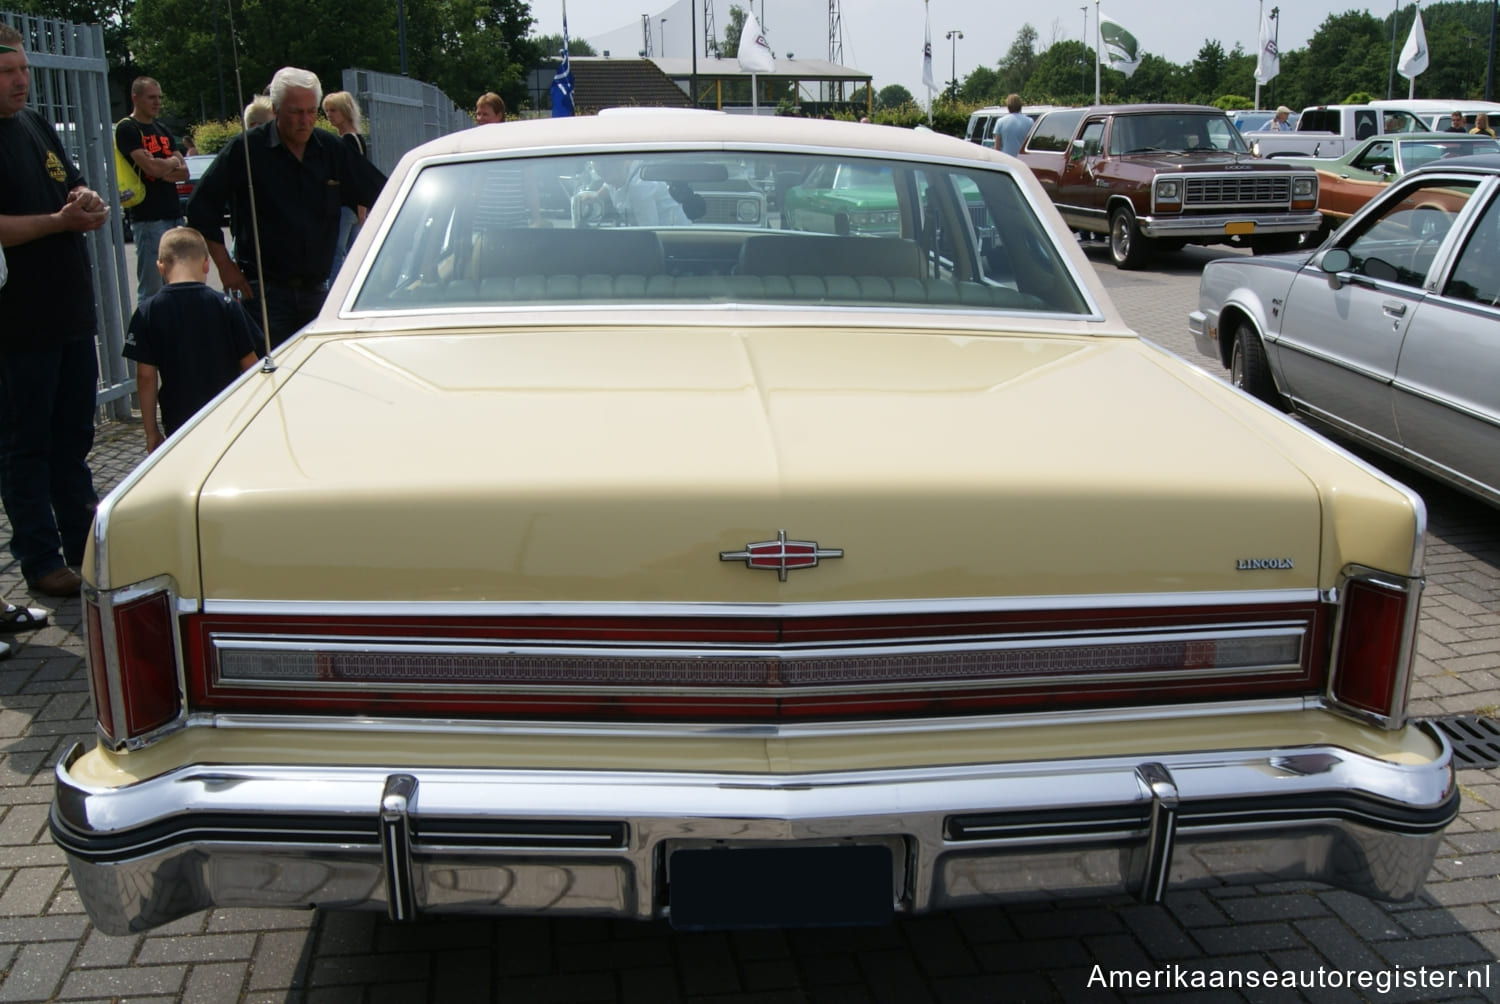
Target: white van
x=981 y=127
x=983 y=122
x=1437 y=114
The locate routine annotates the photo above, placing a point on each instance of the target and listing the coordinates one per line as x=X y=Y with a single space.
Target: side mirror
x=1333 y=262
x=1076 y=152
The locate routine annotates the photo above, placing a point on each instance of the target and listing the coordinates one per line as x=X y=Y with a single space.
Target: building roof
x=605 y=83
x=681 y=67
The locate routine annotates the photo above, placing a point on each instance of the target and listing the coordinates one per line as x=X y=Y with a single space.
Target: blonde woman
x=344 y=115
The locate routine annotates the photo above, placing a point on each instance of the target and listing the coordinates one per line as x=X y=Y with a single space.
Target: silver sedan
x=1389 y=333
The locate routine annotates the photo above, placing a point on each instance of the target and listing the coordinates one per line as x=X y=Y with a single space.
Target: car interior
x=716 y=227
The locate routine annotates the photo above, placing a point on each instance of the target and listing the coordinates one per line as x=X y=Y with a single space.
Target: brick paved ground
x=48 y=950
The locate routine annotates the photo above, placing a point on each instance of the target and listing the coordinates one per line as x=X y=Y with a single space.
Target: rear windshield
x=717 y=227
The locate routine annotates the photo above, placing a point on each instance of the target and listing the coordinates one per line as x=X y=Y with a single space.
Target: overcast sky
x=884 y=37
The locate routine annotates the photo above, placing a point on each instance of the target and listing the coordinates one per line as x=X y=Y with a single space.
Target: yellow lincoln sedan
x=606 y=547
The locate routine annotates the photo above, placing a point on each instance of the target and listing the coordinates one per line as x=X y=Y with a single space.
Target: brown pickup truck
x=1162 y=176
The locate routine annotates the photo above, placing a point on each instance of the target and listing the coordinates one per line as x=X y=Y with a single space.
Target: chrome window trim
x=810 y=652
x=977 y=317
x=374 y=725
x=689 y=608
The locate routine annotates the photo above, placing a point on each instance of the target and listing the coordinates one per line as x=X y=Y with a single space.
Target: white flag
x=927 y=57
x=755 y=52
x=1414 y=52
x=1120 y=48
x=1269 y=62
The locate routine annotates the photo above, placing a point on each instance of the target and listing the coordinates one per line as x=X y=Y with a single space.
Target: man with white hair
x=301 y=176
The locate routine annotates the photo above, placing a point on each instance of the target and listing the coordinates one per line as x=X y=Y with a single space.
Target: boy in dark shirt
x=190 y=339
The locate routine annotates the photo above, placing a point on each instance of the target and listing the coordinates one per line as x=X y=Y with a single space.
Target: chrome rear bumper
x=598 y=843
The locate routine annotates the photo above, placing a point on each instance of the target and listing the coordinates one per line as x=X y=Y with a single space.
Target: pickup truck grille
x=1231 y=190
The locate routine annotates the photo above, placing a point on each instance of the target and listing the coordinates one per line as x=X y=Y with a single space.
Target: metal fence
x=70 y=88
x=403 y=113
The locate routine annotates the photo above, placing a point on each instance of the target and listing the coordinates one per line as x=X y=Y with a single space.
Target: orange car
x=1346 y=183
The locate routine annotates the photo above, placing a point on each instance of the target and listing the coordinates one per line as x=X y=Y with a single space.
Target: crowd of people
x=300 y=191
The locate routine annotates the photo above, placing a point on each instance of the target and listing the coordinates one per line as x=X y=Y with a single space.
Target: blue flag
x=562 y=80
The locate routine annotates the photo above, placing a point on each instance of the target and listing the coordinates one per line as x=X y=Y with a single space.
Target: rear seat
x=854 y=290
x=775 y=254
x=509 y=251
x=568 y=266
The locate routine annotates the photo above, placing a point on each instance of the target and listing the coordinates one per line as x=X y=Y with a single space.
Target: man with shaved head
x=48 y=368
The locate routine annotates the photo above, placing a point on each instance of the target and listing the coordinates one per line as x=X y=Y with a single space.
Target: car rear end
x=752 y=612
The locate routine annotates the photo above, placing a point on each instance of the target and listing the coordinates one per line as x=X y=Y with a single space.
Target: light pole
x=1276 y=44
x=1390 y=82
x=1085 y=85
x=1260 y=51
x=663 y=38
x=1489 y=73
x=953 y=37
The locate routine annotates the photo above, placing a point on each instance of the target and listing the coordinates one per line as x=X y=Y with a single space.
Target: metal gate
x=403 y=113
x=70 y=88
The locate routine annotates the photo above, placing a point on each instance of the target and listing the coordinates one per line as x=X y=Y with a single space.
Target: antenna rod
x=267 y=365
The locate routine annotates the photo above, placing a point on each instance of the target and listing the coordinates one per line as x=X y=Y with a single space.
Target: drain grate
x=1476 y=741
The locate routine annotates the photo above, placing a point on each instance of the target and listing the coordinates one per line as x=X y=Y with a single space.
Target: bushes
x=210 y=136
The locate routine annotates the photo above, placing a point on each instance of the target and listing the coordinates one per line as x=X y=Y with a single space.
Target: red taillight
x=133 y=665
x=148 y=663
x=1370 y=666
x=184 y=188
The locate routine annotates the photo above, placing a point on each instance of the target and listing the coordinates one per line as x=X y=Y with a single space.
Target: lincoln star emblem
x=781 y=555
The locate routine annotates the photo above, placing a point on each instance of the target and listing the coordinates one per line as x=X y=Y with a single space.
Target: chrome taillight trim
x=1406 y=655
x=772 y=664
x=106 y=600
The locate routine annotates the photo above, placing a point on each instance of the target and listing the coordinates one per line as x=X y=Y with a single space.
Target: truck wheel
x=1126 y=245
x=1248 y=369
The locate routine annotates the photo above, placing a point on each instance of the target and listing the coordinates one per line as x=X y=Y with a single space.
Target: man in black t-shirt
x=48 y=368
x=188 y=341
x=158 y=158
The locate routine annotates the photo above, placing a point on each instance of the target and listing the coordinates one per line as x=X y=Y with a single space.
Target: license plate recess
x=838 y=885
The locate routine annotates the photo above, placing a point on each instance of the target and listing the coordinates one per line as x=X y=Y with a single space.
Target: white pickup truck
x=1330 y=130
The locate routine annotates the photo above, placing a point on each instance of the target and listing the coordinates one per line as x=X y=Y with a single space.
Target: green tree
x=1348 y=52
x=550 y=46
x=1207 y=72
x=732 y=32
x=465 y=47
x=981 y=87
x=1018 y=63
x=1063 y=75
x=1457 y=39
x=113 y=16
x=893 y=96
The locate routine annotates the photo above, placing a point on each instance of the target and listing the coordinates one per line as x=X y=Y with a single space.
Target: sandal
x=14 y=618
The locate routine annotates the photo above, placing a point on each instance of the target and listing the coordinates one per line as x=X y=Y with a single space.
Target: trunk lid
x=617 y=464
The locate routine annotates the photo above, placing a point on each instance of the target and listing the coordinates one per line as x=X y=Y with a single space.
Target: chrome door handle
x=1394 y=308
